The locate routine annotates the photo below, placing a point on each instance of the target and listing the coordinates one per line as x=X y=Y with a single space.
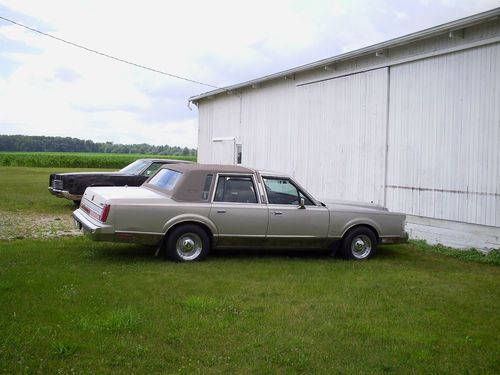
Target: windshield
x=165 y=179
x=135 y=168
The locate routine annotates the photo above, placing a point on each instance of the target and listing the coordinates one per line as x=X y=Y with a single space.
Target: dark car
x=73 y=185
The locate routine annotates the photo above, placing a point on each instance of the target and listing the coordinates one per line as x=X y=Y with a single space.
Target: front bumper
x=97 y=232
x=64 y=194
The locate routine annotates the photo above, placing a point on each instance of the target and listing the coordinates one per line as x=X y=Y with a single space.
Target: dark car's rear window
x=165 y=179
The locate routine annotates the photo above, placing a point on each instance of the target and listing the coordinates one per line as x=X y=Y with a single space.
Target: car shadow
x=126 y=254
x=138 y=253
x=268 y=253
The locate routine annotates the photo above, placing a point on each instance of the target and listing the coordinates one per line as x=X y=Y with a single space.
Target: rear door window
x=235 y=189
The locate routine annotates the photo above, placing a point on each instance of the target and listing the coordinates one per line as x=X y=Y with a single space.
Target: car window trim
x=251 y=175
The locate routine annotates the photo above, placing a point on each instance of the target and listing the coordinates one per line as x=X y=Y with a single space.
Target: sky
x=53 y=89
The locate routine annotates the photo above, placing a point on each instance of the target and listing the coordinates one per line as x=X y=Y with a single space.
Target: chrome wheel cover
x=189 y=246
x=361 y=246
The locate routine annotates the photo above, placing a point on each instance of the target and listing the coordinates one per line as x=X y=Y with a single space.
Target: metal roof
x=406 y=39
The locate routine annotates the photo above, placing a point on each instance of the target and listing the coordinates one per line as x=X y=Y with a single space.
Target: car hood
x=339 y=205
x=123 y=195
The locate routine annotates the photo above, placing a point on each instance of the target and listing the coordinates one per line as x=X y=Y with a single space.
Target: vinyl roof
x=216 y=168
x=419 y=35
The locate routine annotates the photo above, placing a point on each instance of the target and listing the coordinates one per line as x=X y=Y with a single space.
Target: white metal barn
x=412 y=123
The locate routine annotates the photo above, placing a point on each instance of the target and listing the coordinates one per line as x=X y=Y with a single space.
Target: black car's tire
x=76 y=202
x=359 y=243
x=187 y=243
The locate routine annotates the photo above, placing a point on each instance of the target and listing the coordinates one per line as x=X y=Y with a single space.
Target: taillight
x=105 y=213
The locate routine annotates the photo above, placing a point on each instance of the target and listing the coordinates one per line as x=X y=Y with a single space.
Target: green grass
x=493 y=257
x=75 y=305
x=25 y=189
x=70 y=305
x=75 y=159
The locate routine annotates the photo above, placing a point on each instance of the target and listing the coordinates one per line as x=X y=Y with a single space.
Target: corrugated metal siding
x=220 y=118
x=319 y=133
x=267 y=125
x=444 y=136
x=342 y=138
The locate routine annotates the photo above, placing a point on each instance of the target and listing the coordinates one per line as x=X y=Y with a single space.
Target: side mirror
x=302 y=204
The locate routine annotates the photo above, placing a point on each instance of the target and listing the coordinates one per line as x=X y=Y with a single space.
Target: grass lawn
x=70 y=305
x=25 y=189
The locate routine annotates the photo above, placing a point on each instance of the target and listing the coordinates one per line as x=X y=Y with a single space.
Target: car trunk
x=96 y=201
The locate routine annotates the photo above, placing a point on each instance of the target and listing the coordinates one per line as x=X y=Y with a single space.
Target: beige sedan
x=188 y=209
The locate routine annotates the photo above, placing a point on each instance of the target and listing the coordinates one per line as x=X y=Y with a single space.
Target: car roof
x=209 y=168
x=167 y=161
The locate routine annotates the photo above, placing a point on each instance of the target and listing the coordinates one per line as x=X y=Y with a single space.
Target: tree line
x=28 y=143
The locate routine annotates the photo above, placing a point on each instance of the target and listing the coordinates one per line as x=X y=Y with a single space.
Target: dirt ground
x=14 y=225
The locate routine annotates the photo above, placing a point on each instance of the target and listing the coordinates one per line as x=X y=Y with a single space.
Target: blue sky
x=49 y=88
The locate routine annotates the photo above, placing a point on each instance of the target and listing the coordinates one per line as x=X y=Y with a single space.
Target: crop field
x=70 y=305
x=75 y=159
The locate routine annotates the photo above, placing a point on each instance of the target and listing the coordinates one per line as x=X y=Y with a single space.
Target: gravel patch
x=16 y=225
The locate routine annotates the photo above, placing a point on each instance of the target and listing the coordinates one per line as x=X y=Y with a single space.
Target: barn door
x=223 y=150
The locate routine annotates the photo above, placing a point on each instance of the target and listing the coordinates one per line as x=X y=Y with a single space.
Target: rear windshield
x=165 y=179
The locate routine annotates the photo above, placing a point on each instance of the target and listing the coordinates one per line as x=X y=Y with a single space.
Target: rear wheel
x=187 y=243
x=359 y=243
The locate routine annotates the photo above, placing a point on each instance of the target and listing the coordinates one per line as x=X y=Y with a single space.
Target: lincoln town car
x=188 y=209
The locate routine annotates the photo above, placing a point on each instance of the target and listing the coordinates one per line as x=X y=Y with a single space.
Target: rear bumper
x=394 y=239
x=64 y=194
x=97 y=232
x=102 y=232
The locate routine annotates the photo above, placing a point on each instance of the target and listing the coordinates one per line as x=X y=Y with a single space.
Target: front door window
x=283 y=191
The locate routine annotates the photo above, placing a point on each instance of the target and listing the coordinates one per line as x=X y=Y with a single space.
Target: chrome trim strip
x=136 y=232
x=240 y=235
x=291 y=237
x=64 y=194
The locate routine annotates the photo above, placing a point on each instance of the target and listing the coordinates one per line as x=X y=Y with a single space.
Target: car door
x=237 y=211
x=291 y=225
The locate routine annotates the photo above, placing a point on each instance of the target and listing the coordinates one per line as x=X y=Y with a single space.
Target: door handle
x=221 y=211
x=278 y=213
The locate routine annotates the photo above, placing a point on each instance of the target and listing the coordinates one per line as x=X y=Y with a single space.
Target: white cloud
x=55 y=89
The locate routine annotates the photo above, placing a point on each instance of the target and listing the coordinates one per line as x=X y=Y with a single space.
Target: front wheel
x=187 y=243
x=360 y=243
